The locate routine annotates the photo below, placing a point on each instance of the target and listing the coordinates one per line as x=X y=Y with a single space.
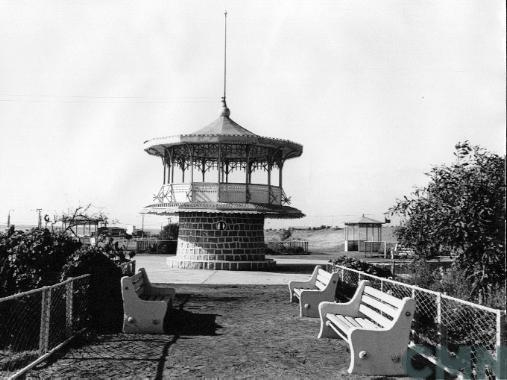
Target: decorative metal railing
x=288 y=246
x=219 y=192
x=449 y=332
x=36 y=323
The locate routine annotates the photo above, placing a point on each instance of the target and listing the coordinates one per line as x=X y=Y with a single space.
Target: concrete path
x=288 y=269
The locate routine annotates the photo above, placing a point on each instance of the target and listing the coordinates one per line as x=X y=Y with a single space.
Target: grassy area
x=324 y=240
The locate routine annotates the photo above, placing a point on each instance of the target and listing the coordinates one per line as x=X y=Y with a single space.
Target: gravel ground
x=212 y=332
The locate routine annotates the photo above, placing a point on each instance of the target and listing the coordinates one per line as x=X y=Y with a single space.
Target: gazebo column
x=171 y=159
x=247 y=174
x=169 y=166
x=163 y=169
x=270 y=165
x=203 y=169
x=191 y=164
x=219 y=164
x=280 y=176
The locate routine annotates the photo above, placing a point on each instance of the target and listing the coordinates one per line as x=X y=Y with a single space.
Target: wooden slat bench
x=320 y=287
x=376 y=326
x=144 y=304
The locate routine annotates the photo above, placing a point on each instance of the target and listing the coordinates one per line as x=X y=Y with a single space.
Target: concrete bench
x=144 y=304
x=320 y=287
x=376 y=326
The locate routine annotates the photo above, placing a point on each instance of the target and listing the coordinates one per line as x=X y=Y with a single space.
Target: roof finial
x=225 y=112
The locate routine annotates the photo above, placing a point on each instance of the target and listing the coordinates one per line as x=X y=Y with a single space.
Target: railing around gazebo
x=219 y=192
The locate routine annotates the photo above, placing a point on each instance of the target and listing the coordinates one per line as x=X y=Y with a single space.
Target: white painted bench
x=144 y=304
x=320 y=287
x=376 y=326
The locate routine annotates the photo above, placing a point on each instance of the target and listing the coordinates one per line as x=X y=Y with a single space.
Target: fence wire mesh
x=34 y=322
x=19 y=332
x=440 y=322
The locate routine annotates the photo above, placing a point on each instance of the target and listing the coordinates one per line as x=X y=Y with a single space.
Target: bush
x=30 y=260
x=278 y=248
x=345 y=290
x=454 y=282
x=104 y=293
x=461 y=211
x=362 y=266
x=165 y=247
x=285 y=234
x=169 y=232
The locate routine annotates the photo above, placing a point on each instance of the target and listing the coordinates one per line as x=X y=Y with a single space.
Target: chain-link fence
x=449 y=332
x=37 y=322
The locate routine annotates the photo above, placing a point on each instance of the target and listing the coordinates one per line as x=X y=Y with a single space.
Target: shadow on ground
x=179 y=321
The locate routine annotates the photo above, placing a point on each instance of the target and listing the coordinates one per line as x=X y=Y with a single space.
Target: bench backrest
x=322 y=280
x=381 y=308
x=135 y=283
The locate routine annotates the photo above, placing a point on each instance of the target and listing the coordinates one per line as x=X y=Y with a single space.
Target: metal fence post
x=440 y=328
x=69 y=298
x=45 y=316
x=343 y=273
x=501 y=345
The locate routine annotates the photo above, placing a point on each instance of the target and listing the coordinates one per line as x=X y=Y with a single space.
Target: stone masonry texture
x=220 y=241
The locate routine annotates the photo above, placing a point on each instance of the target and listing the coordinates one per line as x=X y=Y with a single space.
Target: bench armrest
x=337 y=308
x=157 y=288
x=161 y=289
x=350 y=308
x=300 y=285
x=305 y=284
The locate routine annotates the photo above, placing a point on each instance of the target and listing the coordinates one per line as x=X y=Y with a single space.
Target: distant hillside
x=323 y=240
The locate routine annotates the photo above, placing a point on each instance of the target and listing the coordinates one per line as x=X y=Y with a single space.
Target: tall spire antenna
x=225 y=111
x=225 y=51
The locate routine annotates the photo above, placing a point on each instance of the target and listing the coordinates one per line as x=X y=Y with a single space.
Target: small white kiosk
x=363 y=235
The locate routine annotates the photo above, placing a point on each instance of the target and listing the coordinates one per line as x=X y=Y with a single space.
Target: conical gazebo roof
x=363 y=220
x=224 y=125
x=223 y=130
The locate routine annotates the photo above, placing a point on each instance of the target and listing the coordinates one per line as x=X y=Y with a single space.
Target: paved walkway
x=287 y=269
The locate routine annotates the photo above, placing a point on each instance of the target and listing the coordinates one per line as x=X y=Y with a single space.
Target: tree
x=461 y=212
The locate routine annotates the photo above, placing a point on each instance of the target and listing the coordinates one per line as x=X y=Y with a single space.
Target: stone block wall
x=221 y=241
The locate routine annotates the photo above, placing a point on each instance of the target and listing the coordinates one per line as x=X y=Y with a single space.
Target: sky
x=377 y=92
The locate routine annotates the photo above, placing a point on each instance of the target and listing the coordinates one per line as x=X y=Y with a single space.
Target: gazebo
x=89 y=224
x=221 y=221
x=363 y=235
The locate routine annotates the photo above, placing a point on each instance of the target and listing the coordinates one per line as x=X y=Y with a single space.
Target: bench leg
x=377 y=353
x=144 y=317
x=291 y=292
x=325 y=330
x=309 y=301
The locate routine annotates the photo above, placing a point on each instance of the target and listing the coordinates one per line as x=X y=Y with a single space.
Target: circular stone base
x=216 y=241
x=175 y=262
